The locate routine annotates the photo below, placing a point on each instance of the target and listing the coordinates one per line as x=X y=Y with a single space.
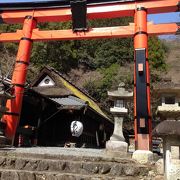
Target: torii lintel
x=113 y=10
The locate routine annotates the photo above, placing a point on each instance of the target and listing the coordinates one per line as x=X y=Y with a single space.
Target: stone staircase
x=68 y=164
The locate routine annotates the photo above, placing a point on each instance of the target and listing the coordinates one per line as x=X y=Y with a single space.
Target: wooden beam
x=94 y=33
x=99 y=11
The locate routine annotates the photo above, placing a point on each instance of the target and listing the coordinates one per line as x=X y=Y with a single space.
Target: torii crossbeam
x=104 y=9
x=92 y=33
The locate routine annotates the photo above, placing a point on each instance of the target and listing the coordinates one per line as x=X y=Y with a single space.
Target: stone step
x=75 y=154
x=44 y=175
x=79 y=162
x=78 y=167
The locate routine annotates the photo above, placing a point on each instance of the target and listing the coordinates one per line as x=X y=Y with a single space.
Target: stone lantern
x=119 y=111
x=169 y=127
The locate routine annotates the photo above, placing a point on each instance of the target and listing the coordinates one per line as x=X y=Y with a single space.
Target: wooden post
x=142 y=112
x=19 y=78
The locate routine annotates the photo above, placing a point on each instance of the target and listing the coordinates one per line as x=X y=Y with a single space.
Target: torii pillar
x=142 y=113
x=19 y=78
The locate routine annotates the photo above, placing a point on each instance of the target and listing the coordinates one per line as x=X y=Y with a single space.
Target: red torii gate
x=140 y=30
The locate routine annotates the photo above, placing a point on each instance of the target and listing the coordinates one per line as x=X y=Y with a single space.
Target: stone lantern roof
x=167 y=128
x=119 y=97
x=167 y=87
x=120 y=93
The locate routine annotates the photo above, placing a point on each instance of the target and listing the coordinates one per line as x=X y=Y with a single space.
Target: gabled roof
x=64 y=88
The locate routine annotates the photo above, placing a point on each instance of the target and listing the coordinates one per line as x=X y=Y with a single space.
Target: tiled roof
x=69 y=101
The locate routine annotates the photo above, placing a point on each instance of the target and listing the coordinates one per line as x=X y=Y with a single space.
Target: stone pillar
x=118 y=129
x=171 y=165
x=117 y=140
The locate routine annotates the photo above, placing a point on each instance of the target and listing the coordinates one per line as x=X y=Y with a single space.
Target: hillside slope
x=173 y=60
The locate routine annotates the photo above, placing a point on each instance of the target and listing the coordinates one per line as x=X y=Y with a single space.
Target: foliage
x=98 y=89
x=60 y=55
x=157 y=51
x=64 y=55
x=114 y=51
x=106 y=55
x=10 y=48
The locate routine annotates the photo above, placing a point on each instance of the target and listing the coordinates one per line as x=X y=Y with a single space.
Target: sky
x=164 y=17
